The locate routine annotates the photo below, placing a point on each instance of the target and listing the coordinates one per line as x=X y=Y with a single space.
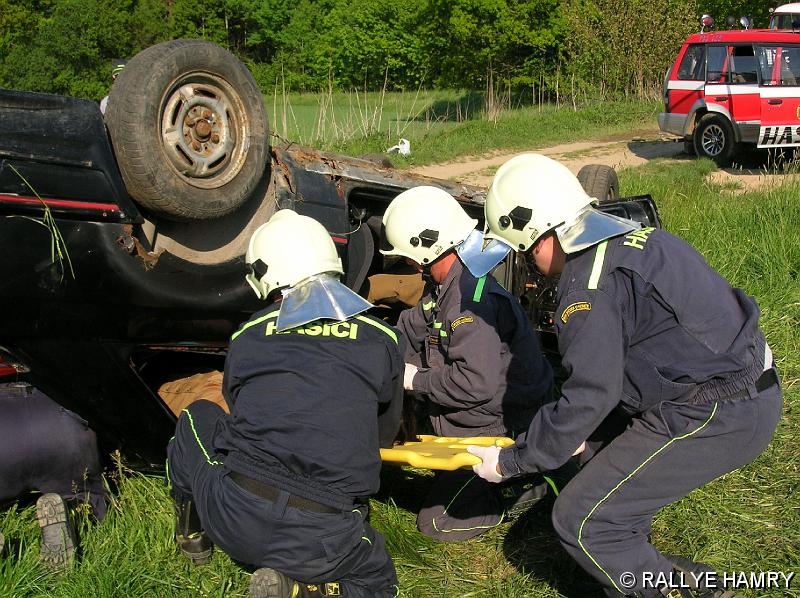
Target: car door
x=780 y=95
x=732 y=87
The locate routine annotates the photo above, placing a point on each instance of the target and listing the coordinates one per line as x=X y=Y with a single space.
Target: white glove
x=408 y=377
x=487 y=468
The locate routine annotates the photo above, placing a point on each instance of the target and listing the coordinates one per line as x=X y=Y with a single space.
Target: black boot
x=59 y=541
x=190 y=535
x=269 y=583
x=697 y=576
x=519 y=496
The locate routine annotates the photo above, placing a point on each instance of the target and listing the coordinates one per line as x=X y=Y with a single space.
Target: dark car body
x=102 y=302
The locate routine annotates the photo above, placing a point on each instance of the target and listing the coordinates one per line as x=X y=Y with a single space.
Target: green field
x=442 y=125
x=748 y=520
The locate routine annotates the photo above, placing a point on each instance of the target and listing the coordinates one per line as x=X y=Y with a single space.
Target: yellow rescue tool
x=440 y=452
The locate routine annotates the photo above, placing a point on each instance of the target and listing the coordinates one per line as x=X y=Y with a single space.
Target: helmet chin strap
x=427 y=276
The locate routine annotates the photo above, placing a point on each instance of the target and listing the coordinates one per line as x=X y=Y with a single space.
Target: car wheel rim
x=713 y=140
x=204 y=130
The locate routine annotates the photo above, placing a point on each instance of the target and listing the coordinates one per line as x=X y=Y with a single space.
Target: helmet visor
x=590 y=227
x=319 y=297
x=480 y=255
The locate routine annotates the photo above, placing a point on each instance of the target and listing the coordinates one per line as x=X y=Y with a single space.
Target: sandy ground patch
x=620 y=152
x=617 y=152
x=737 y=180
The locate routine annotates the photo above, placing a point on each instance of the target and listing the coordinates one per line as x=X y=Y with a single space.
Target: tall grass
x=334 y=117
x=444 y=125
x=747 y=520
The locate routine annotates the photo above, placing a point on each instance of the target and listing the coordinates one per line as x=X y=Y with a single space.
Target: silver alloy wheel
x=713 y=140
x=204 y=130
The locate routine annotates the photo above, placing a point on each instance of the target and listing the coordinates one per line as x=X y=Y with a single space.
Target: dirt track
x=620 y=152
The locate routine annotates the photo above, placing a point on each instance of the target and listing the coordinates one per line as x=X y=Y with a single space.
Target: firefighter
x=472 y=357
x=649 y=333
x=49 y=449
x=314 y=387
x=117 y=67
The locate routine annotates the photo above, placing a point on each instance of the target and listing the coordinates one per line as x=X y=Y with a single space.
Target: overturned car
x=124 y=238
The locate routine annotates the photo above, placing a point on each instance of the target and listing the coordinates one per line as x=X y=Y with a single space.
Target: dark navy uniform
x=649 y=331
x=283 y=481
x=47 y=448
x=482 y=374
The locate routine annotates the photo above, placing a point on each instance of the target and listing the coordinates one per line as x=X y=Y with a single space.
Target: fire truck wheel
x=713 y=138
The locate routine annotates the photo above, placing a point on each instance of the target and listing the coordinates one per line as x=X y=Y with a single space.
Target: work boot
x=693 y=573
x=269 y=583
x=700 y=572
x=519 y=496
x=57 y=551
x=190 y=535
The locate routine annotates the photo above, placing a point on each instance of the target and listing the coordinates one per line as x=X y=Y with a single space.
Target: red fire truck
x=728 y=88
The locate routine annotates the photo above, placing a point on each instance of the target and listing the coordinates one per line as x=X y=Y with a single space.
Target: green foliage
x=626 y=46
x=71 y=50
x=470 y=38
x=549 y=49
x=758 y=10
x=376 y=41
x=303 y=58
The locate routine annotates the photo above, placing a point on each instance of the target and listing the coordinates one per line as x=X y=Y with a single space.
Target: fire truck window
x=770 y=76
x=743 y=65
x=790 y=66
x=693 y=63
x=717 y=64
x=785 y=21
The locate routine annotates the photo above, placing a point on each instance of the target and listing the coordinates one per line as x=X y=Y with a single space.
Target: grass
x=442 y=126
x=527 y=128
x=749 y=520
x=330 y=118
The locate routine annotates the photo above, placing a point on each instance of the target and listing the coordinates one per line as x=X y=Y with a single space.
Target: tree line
x=598 y=48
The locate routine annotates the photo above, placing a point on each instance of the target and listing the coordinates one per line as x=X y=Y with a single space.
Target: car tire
x=189 y=129
x=713 y=138
x=599 y=181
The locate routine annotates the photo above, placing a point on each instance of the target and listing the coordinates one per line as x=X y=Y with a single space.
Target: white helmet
x=422 y=223
x=532 y=194
x=288 y=249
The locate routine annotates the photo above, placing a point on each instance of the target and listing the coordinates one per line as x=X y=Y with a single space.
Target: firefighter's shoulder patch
x=573 y=307
x=459 y=321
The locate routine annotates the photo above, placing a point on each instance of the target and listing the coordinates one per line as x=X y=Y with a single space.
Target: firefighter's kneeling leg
x=310 y=547
x=188 y=454
x=604 y=515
